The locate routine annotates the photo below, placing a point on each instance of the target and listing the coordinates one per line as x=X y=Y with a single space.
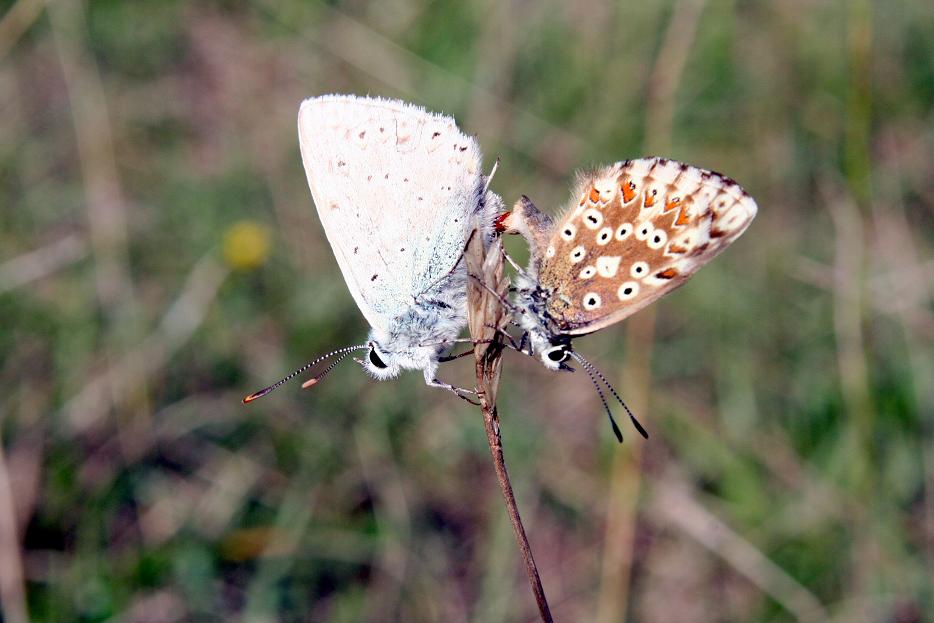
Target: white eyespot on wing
x=624 y=231
x=604 y=236
x=577 y=254
x=568 y=231
x=385 y=190
x=587 y=272
x=639 y=269
x=591 y=301
x=550 y=251
x=627 y=290
x=592 y=218
x=607 y=266
x=657 y=239
x=643 y=231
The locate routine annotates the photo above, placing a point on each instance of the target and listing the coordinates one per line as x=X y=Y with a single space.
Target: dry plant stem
x=485 y=315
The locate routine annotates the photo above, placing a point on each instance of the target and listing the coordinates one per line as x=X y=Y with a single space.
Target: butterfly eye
x=556 y=354
x=376 y=361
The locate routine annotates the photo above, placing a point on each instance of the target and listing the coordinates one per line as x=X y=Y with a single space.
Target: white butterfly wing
x=395 y=188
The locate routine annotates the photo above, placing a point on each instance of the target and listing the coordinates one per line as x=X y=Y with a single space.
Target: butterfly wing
x=395 y=188
x=636 y=231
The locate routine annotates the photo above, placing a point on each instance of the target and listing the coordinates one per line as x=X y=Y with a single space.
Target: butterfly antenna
x=594 y=372
x=313 y=380
x=606 y=407
x=340 y=351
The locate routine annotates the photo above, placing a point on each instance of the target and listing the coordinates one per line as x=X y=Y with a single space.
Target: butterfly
x=398 y=190
x=633 y=232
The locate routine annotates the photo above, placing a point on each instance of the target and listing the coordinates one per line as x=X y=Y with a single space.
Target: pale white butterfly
x=398 y=190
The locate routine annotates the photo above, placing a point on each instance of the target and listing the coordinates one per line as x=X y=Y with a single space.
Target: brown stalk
x=487 y=319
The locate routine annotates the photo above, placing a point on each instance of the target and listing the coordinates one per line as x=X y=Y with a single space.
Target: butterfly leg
x=515 y=266
x=460 y=392
x=503 y=301
x=453 y=357
x=511 y=340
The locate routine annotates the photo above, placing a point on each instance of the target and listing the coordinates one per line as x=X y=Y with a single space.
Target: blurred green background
x=160 y=257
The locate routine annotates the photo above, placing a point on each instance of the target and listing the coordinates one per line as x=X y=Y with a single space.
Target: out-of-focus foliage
x=788 y=389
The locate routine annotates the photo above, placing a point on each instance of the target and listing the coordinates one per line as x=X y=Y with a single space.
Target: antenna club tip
x=256 y=395
x=309 y=383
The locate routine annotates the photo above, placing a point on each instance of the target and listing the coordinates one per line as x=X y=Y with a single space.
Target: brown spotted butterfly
x=635 y=231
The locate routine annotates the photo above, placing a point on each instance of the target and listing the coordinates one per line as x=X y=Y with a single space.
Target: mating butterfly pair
x=398 y=190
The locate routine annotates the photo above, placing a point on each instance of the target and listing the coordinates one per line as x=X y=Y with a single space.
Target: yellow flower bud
x=246 y=245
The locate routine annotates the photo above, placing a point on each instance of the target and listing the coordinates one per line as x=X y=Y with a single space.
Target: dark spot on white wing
x=405 y=179
x=421 y=198
x=355 y=249
x=436 y=135
x=386 y=177
x=369 y=178
x=657 y=239
x=455 y=220
x=373 y=278
x=362 y=134
x=341 y=163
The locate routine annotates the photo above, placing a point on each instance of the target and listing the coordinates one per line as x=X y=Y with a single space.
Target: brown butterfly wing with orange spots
x=636 y=231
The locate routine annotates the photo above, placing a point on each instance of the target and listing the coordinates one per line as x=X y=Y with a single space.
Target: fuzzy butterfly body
x=634 y=231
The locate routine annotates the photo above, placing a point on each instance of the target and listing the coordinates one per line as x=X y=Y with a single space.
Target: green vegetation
x=160 y=257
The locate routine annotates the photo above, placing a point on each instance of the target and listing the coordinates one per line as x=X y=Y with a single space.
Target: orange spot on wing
x=672 y=204
x=674 y=248
x=668 y=273
x=683 y=217
x=649 y=199
x=629 y=191
x=594 y=195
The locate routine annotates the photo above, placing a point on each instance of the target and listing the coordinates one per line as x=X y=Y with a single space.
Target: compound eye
x=557 y=354
x=375 y=360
